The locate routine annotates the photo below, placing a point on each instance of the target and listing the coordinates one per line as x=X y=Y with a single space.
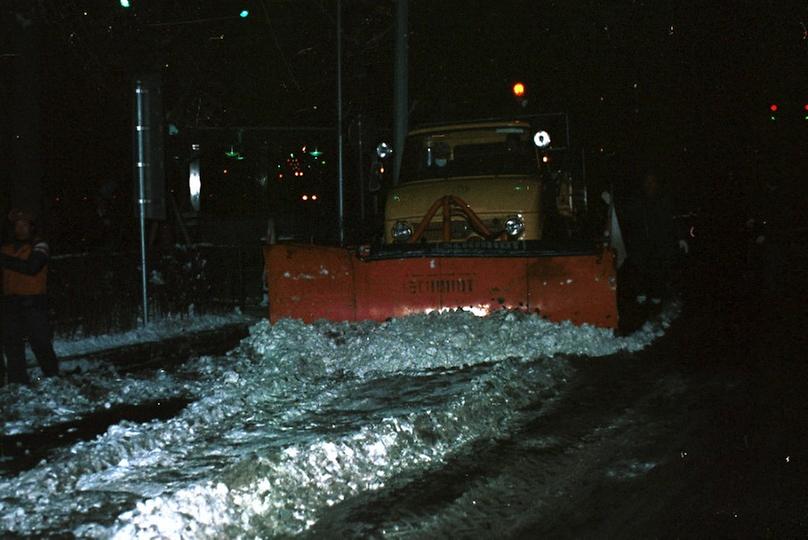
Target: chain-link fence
x=97 y=293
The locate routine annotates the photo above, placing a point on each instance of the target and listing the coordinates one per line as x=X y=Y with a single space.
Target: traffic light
x=773 y=108
x=125 y=4
x=244 y=13
x=234 y=153
x=805 y=112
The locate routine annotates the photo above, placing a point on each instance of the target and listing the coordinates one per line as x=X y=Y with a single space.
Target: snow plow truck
x=482 y=218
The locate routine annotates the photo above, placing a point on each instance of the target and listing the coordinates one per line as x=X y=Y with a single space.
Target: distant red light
x=805 y=106
x=518 y=89
x=773 y=107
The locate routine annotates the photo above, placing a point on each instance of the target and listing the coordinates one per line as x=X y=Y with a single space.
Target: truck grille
x=461 y=228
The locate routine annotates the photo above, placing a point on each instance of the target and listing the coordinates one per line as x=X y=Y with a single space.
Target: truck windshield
x=469 y=152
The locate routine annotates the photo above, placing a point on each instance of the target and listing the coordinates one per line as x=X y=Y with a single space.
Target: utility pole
x=400 y=84
x=361 y=161
x=341 y=195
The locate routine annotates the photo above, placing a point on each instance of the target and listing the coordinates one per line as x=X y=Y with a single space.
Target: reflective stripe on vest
x=15 y=283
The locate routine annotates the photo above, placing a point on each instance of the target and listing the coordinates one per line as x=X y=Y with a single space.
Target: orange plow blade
x=315 y=282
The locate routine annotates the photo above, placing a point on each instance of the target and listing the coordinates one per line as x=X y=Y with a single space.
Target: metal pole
x=400 y=98
x=568 y=143
x=140 y=128
x=583 y=176
x=341 y=195
x=361 y=170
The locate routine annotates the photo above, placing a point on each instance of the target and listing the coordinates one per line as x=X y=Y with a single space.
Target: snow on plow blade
x=314 y=282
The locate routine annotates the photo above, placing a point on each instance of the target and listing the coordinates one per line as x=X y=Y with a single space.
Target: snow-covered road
x=297 y=420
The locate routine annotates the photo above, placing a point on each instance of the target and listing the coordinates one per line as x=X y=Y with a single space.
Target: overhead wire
x=278 y=46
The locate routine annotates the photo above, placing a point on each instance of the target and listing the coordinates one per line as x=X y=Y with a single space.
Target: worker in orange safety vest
x=24 y=263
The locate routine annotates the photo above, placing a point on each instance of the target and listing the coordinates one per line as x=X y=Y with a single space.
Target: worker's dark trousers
x=26 y=317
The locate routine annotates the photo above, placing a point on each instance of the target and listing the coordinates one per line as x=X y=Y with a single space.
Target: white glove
x=684 y=246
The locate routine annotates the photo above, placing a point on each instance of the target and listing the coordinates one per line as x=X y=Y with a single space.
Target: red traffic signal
x=518 y=89
x=773 y=107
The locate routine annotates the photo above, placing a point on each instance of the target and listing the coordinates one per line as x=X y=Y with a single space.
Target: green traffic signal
x=244 y=13
x=125 y=4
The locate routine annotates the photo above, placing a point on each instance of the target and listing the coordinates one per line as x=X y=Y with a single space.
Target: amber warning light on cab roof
x=519 y=91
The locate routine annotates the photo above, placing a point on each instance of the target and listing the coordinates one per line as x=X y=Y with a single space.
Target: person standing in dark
x=24 y=262
x=651 y=241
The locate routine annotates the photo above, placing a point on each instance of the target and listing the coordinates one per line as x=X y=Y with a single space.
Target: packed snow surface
x=156 y=330
x=296 y=419
x=94 y=384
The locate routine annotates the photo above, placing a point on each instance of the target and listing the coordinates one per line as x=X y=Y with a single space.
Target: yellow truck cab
x=498 y=169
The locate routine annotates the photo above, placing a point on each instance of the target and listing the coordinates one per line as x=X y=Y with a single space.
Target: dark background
x=683 y=87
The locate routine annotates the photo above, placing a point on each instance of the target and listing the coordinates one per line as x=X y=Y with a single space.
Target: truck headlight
x=402 y=231
x=514 y=226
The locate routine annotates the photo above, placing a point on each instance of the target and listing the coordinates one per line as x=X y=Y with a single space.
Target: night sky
x=683 y=85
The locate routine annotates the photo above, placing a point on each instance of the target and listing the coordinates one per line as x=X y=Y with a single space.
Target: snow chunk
x=295 y=419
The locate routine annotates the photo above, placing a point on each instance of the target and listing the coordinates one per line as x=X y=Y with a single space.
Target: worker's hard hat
x=20 y=215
